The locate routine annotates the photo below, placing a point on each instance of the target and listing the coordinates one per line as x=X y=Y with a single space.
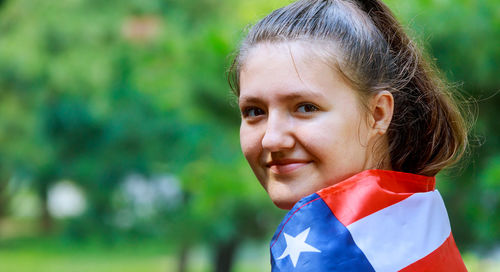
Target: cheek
x=250 y=143
x=333 y=139
x=328 y=131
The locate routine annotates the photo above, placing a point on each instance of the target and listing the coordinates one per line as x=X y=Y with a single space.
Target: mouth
x=286 y=166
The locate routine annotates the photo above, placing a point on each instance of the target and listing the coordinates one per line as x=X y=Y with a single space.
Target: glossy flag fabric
x=376 y=220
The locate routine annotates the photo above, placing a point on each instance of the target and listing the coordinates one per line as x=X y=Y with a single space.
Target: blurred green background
x=119 y=136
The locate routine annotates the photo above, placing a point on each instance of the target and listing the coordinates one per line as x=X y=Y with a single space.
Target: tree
x=95 y=90
x=464 y=45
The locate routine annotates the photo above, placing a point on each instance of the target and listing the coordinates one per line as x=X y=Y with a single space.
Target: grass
x=474 y=263
x=51 y=255
x=27 y=262
x=56 y=255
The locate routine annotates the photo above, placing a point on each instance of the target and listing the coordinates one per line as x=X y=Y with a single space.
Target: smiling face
x=303 y=127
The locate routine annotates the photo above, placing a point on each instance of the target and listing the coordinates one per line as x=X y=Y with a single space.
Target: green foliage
x=463 y=38
x=94 y=92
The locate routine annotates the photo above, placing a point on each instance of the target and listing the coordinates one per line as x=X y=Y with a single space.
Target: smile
x=285 y=166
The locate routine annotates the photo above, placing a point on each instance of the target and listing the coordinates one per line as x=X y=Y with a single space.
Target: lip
x=285 y=166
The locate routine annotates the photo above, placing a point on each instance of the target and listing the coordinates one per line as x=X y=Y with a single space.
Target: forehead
x=292 y=67
x=293 y=52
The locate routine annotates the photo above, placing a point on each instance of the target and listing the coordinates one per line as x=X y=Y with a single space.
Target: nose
x=279 y=133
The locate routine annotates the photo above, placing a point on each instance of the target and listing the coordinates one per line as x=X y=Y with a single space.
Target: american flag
x=376 y=220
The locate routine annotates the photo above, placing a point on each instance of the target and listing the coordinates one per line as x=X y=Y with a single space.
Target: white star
x=296 y=245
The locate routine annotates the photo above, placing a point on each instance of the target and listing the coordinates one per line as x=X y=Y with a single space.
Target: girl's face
x=302 y=126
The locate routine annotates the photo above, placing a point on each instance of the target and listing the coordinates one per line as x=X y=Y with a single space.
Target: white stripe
x=403 y=233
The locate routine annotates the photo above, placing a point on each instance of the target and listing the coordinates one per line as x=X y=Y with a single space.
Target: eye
x=252 y=112
x=307 y=107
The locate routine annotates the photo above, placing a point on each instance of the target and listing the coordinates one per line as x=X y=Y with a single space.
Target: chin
x=284 y=203
x=285 y=196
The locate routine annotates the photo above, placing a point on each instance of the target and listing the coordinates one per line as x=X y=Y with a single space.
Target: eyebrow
x=293 y=95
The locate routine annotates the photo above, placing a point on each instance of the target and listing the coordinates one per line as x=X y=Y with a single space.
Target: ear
x=381 y=110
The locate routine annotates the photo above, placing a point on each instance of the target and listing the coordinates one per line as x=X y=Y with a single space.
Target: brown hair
x=427 y=132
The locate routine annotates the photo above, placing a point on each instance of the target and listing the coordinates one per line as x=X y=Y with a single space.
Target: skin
x=303 y=127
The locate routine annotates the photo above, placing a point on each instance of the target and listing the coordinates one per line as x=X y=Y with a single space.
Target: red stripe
x=371 y=191
x=444 y=258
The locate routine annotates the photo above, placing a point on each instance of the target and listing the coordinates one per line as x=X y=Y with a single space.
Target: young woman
x=346 y=124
